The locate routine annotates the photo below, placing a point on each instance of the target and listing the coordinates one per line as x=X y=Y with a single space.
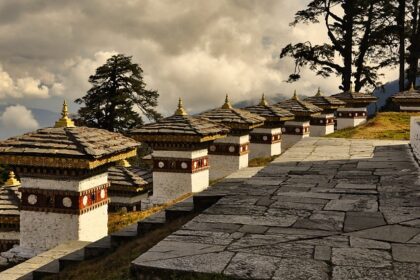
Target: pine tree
x=117 y=89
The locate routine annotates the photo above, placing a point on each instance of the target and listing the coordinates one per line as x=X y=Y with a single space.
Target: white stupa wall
x=262 y=143
x=322 y=125
x=293 y=132
x=169 y=184
x=225 y=157
x=351 y=117
x=42 y=230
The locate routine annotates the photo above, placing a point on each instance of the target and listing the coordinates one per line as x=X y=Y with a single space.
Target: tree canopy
x=364 y=37
x=118 y=97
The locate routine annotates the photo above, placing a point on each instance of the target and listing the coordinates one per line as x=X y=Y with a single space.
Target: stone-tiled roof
x=234 y=118
x=180 y=128
x=68 y=142
x=411 y=95
x=325 y=102
x=353 y=97
x=299 y=107
x=130 y=177
x=270 y=113
x=9 y=201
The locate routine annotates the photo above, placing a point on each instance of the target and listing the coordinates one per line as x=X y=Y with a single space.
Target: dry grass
x=257 y=162
x=386 y=126
x=120 y=220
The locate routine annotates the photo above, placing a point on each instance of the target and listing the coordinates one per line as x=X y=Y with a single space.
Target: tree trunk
x=348 y=44
x=401 y=35
x=415 y=44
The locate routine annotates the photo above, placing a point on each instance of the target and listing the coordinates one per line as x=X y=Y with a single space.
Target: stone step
x=125 y=235
x=71 y=259
x=98 y=248
x=179 y=210
x=52 y=268
x=153 y=222
x=204 y=200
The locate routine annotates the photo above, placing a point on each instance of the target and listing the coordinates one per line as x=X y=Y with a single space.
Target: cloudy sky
x=195 y=49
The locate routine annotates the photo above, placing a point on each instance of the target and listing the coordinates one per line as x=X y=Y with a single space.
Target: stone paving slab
x=325 y=209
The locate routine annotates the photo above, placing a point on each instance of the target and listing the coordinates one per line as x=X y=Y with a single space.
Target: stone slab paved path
x=326 y=209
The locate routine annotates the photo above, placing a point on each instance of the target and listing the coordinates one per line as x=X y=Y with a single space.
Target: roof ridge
x=76 y=142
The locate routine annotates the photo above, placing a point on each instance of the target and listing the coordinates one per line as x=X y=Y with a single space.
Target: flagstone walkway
x=326 y=209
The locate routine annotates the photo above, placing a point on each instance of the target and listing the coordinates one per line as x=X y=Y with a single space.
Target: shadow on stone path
x=325 y=209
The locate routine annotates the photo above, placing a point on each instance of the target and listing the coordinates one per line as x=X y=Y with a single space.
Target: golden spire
x=180 y=111
x=295 y=97
x=412 y=88
x=227 y=103
x=263 y=102
x=319 y=93
x=12 y=181
x=65 y=121
x=351 y=90
x=123 y=163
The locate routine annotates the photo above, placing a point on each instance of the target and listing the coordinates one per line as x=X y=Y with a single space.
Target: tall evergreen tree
x=117 y=89
x=359 y=41
x=414 y=48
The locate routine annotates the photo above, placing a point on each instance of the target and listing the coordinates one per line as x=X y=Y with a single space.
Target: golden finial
x=123 y=163
x=412 y=88
x=295 y=97
x=318 y=93
x=180 y=111
x=351 y=90
x=65 y=121
x=227 y=103
x=263 y=102
x=12 y=181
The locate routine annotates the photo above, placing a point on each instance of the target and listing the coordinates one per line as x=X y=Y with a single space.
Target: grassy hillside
x=386 y=125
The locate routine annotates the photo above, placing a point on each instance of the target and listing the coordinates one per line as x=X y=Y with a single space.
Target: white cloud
x=18 y=117
x=26 y=87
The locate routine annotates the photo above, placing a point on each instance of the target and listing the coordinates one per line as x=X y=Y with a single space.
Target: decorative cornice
x=66 y=202
x=180 y=165
x=65 y=163
x=229 y=149
x=265 y=138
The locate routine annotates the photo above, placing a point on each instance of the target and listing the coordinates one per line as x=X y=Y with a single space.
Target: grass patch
x=120 y=220
x=385 y=125
x=116 y=266
x=258 y=162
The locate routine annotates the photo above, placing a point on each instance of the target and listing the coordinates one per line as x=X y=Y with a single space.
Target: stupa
x=294 y=131
x=129 y=186
x=230 y=154
x=328 y=104
x=63 y=170
x=408 y=101
x=355 y=112
x=265 y=141
x=180 y=159
x=9 y=213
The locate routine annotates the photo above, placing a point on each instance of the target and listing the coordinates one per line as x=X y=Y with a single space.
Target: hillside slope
x=386 y=125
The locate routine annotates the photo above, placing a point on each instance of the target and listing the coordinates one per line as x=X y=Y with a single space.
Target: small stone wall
x=415 y=136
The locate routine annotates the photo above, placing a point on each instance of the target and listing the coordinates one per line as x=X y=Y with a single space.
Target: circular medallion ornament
x=32 y=199
x=265 y=138
x=102 y=194
x=355 y=114
x=350 y=114
x=231 y=149
x=212 y=148
x=297 y=130
x=321 y=121
x=340 y=114
x=161 y=164
x=184 y=165
x=67 y=202
x=283 y=129
x=85 y=200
